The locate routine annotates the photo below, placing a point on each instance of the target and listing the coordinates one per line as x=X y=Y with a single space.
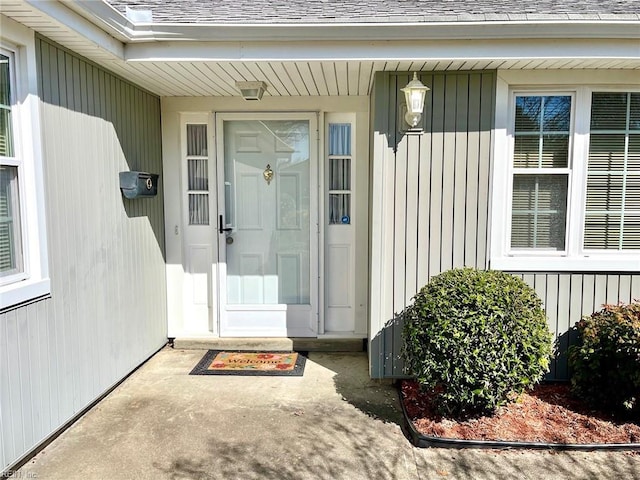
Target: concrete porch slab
x=332 y=423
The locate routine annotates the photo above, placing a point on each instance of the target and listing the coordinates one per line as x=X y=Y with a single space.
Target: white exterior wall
x=106 y=313
x=175 y=111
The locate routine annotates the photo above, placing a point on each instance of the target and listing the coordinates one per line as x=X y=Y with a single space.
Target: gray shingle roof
x=379 y=11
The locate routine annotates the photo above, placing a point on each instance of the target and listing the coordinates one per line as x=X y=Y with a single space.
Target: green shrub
x=473 y=337
x=605 y=362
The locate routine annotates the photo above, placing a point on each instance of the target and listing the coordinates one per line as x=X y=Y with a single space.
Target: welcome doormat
x=217 y=362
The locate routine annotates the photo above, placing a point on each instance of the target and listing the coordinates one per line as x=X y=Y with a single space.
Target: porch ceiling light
x=251 y=90
x=414 y=94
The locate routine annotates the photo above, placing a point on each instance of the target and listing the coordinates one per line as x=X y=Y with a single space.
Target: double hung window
x=24 y=272
x=571 y=200
x=11 y=259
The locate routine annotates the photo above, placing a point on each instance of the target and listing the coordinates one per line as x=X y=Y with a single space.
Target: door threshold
x=322 y=344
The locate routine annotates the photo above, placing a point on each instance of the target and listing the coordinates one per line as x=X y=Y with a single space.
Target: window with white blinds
x=566 y=181
x=540 y=171
x=612 y=213
x=197 y=174
x=10 y=227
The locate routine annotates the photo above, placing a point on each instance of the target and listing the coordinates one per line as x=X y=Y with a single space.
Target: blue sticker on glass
x=345 y=219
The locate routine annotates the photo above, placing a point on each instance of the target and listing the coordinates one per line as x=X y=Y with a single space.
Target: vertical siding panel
x=530 y=279
x=473 y=202
x=540 y=285
x=635 y=287
x=459 y=160
x=424 y=187
x=624 y=288
x=95 y=232
x=7 y=447
x=600 y=291
x=12 y=397
x=551 y=301
x=399 y=228
x=575 y=295
x=83 y=226
x=486 y=112
x=412 y=248
x=41 y=352
x=32 y=384
x=63 y=227
x=52 y=114
x=377 y=198
x=42 y=367
x=589 y=302
x=388 y=223
x=448 y=166
x=562 y=326
x=24 y=367
x=612 y=289
x=437 y=144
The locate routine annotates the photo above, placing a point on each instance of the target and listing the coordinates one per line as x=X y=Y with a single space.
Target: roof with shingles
x=380 y=11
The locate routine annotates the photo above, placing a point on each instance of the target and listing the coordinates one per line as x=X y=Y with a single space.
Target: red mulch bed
x=547 y=414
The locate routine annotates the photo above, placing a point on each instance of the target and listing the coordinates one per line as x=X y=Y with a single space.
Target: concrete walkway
x=333 y=423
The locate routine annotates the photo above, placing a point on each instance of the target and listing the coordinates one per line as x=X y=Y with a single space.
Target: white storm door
x=267 y=225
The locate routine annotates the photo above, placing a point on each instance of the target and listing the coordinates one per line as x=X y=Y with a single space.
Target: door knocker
x=268 y=174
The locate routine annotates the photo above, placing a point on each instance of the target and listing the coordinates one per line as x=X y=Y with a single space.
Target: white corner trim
x=500 y=174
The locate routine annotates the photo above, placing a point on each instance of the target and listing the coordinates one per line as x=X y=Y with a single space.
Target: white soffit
x=328 y=67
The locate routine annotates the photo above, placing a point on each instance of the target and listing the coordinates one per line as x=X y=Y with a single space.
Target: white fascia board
x=70 y=19
x=388 y=31
x=120 y=26
x=555 y=49
x=105 y=16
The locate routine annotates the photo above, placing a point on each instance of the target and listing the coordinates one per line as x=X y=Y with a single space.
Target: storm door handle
x=221 y=228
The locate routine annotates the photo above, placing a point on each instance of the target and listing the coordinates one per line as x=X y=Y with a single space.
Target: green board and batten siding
x=107 y=311
x=430 y=211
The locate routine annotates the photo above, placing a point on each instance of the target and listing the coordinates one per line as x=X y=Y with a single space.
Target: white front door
x=267 y=224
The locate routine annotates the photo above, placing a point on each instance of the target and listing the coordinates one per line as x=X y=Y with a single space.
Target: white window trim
x=35 y=282
x=574 y=258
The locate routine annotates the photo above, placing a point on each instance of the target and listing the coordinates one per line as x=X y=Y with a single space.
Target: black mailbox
x=138 y=184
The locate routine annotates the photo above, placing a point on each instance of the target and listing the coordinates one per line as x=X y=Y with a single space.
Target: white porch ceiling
x=286 y=77
x=303 y=78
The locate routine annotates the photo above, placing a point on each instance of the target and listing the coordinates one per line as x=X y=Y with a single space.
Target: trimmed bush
x=474 y=337
x=605 y=362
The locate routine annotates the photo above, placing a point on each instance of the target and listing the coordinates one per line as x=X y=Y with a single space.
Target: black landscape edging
x=427 y=441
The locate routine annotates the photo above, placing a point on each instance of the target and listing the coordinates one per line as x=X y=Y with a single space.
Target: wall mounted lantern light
x=251 y=90
x=414 y=94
